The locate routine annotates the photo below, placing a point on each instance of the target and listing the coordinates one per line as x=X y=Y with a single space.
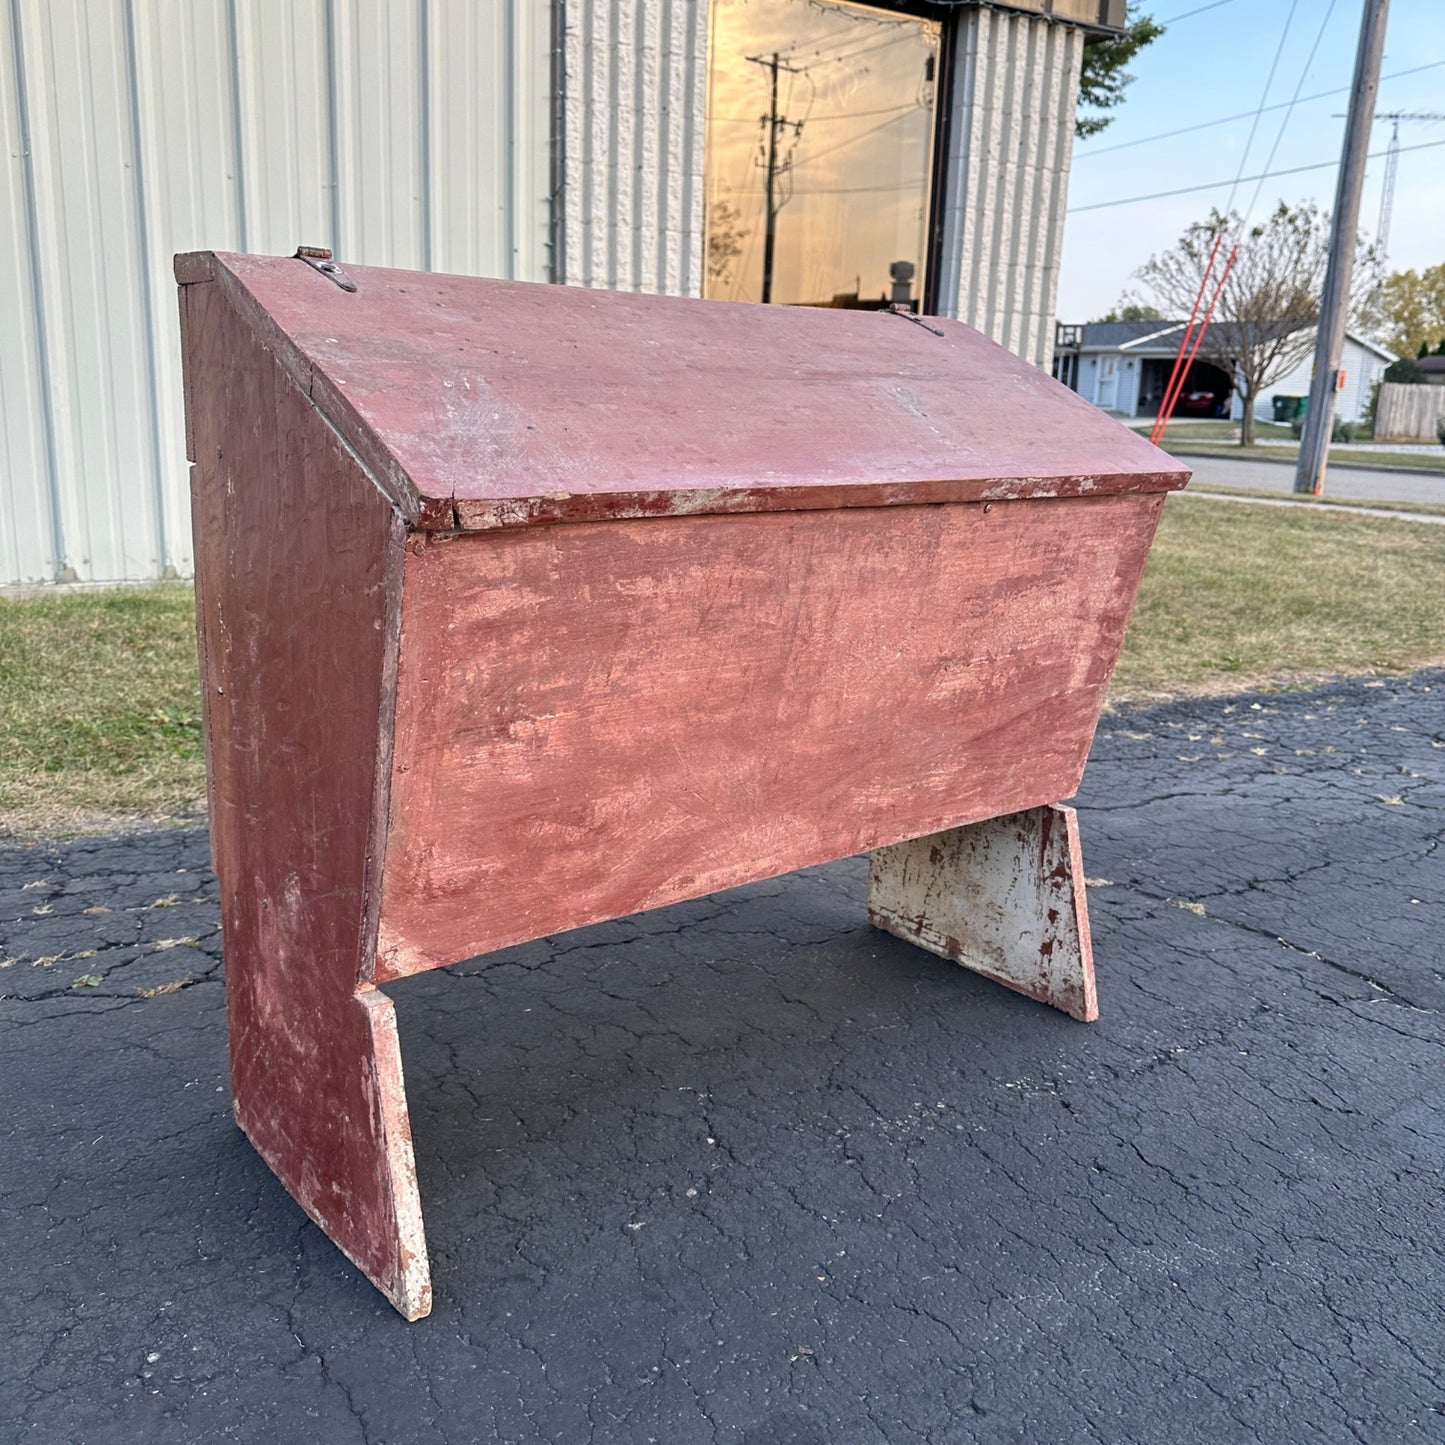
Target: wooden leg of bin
x=299 y=560
x=1004 y=898
x=322 y=1099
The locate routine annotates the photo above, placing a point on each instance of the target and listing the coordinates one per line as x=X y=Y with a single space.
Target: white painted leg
x=1004 y=898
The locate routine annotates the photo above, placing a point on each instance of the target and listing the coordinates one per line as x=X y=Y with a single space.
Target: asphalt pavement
x=746 y=1170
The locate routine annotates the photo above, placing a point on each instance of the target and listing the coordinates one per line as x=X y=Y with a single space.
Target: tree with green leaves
x=1103 y=78
x=1413 y=306
x=1264 y=324
x=1130 y=311
x=1406 y=371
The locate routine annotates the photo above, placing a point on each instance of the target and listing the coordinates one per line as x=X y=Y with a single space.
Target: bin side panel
x=597 y=719
x=298 y=580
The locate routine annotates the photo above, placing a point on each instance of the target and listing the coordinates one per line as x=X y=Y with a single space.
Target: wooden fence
x=1406 y=413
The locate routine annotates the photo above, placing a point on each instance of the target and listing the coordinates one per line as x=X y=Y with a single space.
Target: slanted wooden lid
x=482 y=404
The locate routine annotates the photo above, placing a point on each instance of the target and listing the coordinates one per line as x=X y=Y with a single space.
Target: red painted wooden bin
x=523 y=607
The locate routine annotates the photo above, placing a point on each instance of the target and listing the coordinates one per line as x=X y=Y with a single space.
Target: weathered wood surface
x=298 y=582
x=486 y=404
x=1004 y=898
x=597 y=719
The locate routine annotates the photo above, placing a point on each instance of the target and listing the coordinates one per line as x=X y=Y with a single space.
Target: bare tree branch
x=1264 y=323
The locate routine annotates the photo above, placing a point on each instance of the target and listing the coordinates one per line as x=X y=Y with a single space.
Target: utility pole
x=1314 y=447
x=770 y=233
x=773 y=166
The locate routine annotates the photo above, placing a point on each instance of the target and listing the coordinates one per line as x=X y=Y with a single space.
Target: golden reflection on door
x=820 y=135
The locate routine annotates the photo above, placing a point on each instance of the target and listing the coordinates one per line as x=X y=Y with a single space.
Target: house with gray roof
x=1123 y=367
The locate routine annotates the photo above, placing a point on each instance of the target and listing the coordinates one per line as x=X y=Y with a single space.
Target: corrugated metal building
x=545 y=140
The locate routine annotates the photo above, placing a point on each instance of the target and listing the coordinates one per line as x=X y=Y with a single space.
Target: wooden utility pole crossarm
x=1335 y=300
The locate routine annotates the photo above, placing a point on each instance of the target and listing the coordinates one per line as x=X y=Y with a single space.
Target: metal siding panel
x=1054 y=202
x=489 y=95
x=183 y=69
x=463 y=101
x=1035 y=185
x=376 y=60
x=692 y=122
x=649 y=146
x=395 y=130
x=599 y=147
x=627 y=128
x=530 y=157
x=95 y=319
x=27 y=542
x=673 y=152
x=285 y=112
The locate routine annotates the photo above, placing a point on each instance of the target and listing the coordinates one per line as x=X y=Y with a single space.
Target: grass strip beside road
x=1324 y=503
x=1211 y=430
x=1433 y=463
x=1211 y=438
x=100 y=702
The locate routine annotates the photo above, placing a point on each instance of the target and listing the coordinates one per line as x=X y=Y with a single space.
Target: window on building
x=820 y=152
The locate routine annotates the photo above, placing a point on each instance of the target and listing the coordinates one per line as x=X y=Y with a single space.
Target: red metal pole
x=1176 y=378
x=1203 y=327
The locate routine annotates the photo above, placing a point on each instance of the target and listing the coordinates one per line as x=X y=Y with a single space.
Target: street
x=1353 y=482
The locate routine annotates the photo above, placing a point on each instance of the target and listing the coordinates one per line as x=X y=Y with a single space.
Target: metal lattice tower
x=1392 y=161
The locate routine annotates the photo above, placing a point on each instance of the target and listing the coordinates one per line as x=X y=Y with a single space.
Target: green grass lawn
x=99 y=708
x=99 y=699
x=1236 y=596
x=1208 y=429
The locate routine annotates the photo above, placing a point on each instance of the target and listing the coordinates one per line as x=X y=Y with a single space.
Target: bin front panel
x=598 y=718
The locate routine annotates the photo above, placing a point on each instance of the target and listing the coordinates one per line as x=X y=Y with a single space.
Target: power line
x=859 y=190
x=823 y=41
x=1264 y=96
x=862 y=50
x=1145 y=140
x=808 y=160
x=1289 y=110
x=834 y=115
x=1190 y=14
x=1215 y=185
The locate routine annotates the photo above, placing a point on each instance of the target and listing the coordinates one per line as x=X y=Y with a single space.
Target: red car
x=1204 y=401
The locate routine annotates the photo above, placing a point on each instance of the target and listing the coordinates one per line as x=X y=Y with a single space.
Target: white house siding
x=399 y=132
x=1118 y=393
x=1362 y=366
x=1015 y=87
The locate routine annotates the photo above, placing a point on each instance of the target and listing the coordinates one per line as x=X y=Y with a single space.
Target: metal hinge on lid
x=319 y=257
x=899 y=308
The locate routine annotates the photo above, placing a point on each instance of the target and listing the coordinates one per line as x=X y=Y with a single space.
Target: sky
x=1216 y=64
